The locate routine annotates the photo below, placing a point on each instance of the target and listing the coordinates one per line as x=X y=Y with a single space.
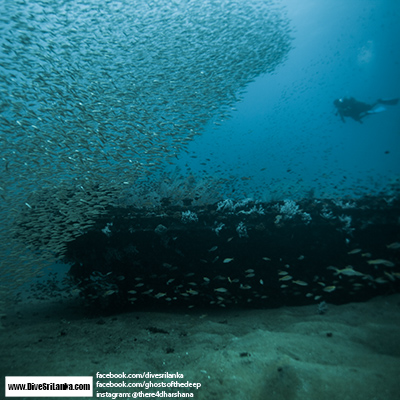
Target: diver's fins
x=389 y=102
x=376 y=109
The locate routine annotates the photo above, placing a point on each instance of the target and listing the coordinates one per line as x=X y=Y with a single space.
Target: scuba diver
x=350 y=107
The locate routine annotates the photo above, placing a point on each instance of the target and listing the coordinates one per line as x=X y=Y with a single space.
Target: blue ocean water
x=102 y=104
x=284 y=135
x=122 y=187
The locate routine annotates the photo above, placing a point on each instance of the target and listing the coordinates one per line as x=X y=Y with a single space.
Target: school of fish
x=97 y=96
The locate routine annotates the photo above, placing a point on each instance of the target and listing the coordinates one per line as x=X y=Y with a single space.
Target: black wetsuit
x=350 y=107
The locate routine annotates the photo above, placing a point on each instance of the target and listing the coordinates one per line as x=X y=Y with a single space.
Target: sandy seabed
x=350 y=352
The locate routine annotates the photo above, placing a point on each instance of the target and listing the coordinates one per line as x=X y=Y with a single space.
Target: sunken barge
x=241 y=254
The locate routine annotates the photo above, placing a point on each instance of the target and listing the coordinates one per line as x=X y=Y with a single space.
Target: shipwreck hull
x=245 y=254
